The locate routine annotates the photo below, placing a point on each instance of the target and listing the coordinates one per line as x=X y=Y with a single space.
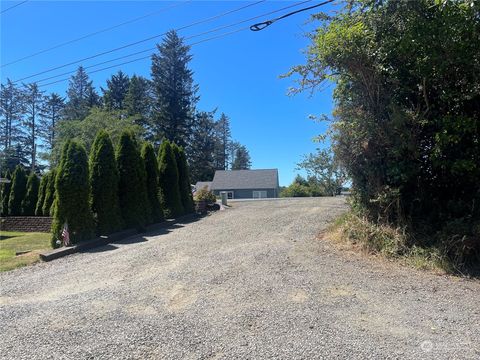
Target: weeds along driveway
x=249 y=282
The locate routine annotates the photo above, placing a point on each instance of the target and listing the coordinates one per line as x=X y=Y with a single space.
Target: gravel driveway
x=249 y=282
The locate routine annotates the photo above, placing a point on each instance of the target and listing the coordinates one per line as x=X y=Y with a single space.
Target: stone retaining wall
x=26 y=223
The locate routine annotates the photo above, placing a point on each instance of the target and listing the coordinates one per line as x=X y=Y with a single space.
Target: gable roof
x=245 y=179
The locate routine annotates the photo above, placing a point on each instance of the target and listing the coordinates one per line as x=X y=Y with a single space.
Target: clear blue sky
x=239 y=73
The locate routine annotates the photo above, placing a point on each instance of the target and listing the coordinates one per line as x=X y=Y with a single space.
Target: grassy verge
x=12 y=243
x=389 y=242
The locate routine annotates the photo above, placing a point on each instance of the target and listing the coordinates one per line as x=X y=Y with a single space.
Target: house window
x=259 y=194
x=230 y=195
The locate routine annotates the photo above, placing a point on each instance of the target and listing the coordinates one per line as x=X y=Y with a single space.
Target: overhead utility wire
x=141 y=41
x=188 y=37
x=14 y=6
x=148 y=57
x=264 y=24
x=97 y=32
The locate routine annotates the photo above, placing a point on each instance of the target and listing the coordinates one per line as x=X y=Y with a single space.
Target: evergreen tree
x=17 y=191
x=81 y=96
x=6 y=193
x=33 y=100
x=223 y=139
x=168 y=181
x=104 y=185
x=116 y=91
x=202 y=147
x=242 y=159
x=184 y=182
x=174 y=92
x=49 y=118
x=42 y=190
x=151 y=171
x=138 y=102
x=72 y=196
x=11 y=111
x=47 y=206
x=30 y=201
x=132 y=185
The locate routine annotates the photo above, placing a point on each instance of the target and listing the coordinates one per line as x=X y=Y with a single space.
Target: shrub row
x=112 y=190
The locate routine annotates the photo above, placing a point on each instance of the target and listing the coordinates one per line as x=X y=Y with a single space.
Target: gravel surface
x=252 y=282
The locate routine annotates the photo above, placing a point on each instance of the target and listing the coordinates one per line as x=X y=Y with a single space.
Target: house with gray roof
x=246 y=184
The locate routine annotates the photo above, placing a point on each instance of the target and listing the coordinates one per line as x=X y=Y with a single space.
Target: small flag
x=65 y=235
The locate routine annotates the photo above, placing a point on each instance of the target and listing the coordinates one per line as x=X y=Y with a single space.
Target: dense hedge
x=151 y=172
x=72 y=195
x=132 y=186
x=41 y=195
x=29 y=203
x=104 y=185
x=168 y=181
x=17 y=191
x=184 y=182
x=6 y=194
x=47 y=206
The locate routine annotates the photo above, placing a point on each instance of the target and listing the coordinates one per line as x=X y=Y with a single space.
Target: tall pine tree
x=174 y=91
x=104 y=185
x=242 y=159
x=33 y=100
x=81 y=96
x=50 y=116
x=138 y=103
x=201 y=150
x=116 y=91
x=223 y=139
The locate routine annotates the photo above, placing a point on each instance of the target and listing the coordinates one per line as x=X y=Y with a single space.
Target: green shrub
x=184 y=182
x=151 y=172
x=41 y=195
x=72 y=189
x=132 y=185
x=296 y=190
x=17 y=191
x=6 y=194
x=168 y=181
x=104 y=185
x=205 y=195
x=47 y=207
x=30 y=201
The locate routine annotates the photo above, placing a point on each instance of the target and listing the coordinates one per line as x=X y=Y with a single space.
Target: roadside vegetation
x=30 y=244
x=406 y=125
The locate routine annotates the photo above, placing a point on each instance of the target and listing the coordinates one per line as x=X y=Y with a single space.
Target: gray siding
x=248 y=193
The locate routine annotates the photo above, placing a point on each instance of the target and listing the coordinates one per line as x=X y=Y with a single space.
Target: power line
x=96 y=33
x=141 y=41
x=14 y=6
x=149 y=56
x=188 y=37
x=264 y=24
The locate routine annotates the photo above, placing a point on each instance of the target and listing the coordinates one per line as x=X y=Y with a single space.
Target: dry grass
x=358 y=233
x=12 y=243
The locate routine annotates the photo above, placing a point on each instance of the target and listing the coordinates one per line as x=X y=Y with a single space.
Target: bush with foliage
x=72 y=202
x=29 y=203
x=132 y=185
x=17 y=191
x=184 y=182
x=407 y=116
x=42 y=190
x=169 y=181
x=104 y=185
x=205 y=195
x=151 y=173
x=305 y=188
x=5 y=194
x=47 y=206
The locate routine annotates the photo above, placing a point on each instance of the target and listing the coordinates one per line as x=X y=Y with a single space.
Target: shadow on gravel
x=99 y=249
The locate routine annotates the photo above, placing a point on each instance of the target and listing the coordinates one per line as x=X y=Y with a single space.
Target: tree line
x=407 y=111
x=35 y=125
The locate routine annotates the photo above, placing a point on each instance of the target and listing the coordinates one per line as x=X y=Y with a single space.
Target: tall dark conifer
x=151 y=172
x=184 y=182
x=5 y=187
x=33 y=100
x=47 y=206
x=81 y=96
x=117 y=88
x=174 y=91
x=17 y=191
x=201 y=150
x=29 y=203
x=168 y=181
x=42 y=190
